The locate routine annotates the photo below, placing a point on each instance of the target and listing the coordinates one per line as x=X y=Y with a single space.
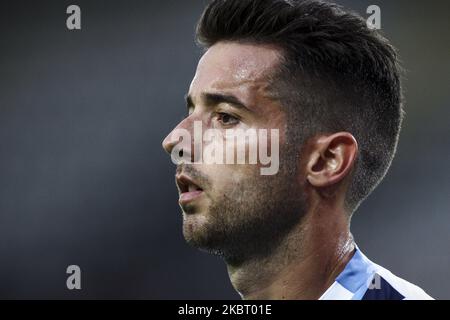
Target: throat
x=294 y=271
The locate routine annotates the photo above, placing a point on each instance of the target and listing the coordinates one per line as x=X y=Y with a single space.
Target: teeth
x=192 y=188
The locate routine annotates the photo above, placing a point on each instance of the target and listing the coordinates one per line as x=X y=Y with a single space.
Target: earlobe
x=332 y=159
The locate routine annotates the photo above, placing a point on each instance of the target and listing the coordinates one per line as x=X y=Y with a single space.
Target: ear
x=331 y=159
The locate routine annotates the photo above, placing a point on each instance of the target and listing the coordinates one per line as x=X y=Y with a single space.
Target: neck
x=304 y=265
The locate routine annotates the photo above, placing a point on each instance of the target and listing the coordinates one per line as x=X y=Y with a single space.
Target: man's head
x=324 y=80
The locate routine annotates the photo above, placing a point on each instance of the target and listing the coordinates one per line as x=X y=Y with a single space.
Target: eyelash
x=220 y=114
x=234 y=119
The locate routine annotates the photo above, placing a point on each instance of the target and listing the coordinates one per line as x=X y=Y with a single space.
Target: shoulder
x=386 y=285
x=363 y=279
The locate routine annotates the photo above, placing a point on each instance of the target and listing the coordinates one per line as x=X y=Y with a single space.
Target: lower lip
x=187 y=197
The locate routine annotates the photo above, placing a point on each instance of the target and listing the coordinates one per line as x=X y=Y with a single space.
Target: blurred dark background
x=84 y=180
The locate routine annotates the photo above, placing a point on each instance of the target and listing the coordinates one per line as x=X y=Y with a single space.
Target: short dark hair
x=336 y=74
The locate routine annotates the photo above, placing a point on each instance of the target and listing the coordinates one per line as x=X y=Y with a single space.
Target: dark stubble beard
x=251 y=218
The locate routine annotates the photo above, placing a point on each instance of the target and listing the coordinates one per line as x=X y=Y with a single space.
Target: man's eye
x=227 y=119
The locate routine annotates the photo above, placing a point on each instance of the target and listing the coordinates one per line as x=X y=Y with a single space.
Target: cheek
x=228 y=177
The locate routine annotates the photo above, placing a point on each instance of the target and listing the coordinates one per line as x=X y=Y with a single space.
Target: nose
x=176 y=136
x=181 y=136
x=169 y=142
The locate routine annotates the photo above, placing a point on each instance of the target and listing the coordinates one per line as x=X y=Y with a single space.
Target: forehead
x=232 y=65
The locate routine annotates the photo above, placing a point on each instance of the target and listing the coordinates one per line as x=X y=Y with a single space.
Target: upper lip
x=185 y=183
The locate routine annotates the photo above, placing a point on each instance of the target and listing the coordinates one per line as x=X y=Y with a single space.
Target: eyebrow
x=213 y=99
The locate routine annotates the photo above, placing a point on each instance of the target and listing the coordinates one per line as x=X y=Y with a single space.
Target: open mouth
x=188 y=189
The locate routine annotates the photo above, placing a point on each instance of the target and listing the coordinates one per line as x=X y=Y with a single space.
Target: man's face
x=232 y=209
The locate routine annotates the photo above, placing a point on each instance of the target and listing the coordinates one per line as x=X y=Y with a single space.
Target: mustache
x=201 y=178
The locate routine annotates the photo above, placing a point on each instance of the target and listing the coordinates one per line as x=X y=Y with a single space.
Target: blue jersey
x=364 y=280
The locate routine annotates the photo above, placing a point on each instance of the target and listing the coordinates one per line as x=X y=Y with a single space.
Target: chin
x=194 y=226
x=198 y=233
